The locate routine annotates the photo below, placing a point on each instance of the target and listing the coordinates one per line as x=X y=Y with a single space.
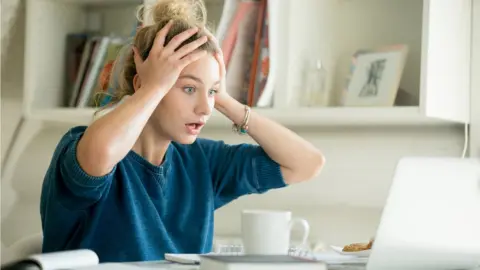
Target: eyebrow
x=195 y=78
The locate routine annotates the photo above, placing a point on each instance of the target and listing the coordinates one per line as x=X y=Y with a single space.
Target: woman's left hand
x=222 y=92
x=299 y=160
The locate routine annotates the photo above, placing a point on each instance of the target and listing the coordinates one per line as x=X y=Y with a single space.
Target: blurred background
x=368 y=82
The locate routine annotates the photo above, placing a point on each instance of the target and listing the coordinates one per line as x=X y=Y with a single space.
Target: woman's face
x=187 y=106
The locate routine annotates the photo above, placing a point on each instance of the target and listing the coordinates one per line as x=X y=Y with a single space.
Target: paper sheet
x=66 y=259
x=331 y=258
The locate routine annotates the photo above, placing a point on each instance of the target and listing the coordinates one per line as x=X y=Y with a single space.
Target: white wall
x=475 y=90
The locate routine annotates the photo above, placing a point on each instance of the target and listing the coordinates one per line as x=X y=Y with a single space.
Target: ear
x=137 y=82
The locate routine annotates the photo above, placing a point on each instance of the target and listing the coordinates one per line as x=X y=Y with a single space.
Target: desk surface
x=164 y=265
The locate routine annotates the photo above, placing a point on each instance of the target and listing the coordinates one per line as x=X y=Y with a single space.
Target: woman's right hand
x=109 y=139
x=164 y=63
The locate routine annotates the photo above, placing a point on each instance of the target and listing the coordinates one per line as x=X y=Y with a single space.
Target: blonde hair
x=185 y=14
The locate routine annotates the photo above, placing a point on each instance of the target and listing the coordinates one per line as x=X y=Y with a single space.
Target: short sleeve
x=67 y=180
x=240 y=169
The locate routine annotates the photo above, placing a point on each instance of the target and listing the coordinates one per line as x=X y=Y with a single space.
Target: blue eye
x=188 y=89
x=212 y=92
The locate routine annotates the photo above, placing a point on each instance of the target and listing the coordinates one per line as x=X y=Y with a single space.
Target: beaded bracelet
x=242 y=129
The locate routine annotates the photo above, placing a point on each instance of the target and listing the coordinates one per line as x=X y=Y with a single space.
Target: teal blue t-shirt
x=139 y=211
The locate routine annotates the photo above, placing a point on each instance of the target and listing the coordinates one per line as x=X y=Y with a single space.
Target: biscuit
x=358 y=246
x=370 y=244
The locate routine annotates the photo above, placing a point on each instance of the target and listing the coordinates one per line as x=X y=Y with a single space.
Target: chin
x=187 y=139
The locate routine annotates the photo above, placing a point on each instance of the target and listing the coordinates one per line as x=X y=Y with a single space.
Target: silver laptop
x=431 y=219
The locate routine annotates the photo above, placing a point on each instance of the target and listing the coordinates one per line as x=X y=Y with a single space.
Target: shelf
x=302 y=117
x=110 y=2
x=102 y=2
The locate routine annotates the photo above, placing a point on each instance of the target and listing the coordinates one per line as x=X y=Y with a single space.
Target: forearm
x=299 y=159
x=108 y=139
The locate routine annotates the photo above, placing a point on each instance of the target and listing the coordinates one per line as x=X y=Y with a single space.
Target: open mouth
x=194 y=128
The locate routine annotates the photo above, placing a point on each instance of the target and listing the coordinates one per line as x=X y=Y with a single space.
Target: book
x=256 y=59
x=74 y=55
x=259 y=262
x=242 y=52
x=183 y=258
x=70 y=259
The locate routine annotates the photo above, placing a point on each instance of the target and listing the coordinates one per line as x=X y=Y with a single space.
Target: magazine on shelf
x=243 y=34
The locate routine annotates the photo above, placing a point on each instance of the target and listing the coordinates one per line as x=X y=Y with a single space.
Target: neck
x=151 y=145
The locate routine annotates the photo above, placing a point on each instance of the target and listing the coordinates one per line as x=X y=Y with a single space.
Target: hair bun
x=192 y=12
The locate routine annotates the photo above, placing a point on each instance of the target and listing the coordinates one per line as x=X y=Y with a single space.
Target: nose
x=204 y=105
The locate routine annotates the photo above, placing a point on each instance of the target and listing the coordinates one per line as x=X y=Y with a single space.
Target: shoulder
x=66 y=146
x=74 y=133
x=71 y=136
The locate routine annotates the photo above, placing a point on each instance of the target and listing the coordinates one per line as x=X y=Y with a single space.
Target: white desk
x=163 y=265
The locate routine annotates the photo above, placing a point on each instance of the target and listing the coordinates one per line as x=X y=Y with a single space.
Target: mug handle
x=306 y=228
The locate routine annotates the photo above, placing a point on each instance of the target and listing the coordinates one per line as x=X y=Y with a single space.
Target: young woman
x=138 y=183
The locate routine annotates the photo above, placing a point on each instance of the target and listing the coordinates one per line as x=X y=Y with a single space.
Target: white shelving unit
x=437 y=71
x=302 y=117
x=48 y=21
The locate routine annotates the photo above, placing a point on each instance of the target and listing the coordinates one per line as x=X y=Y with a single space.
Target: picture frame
x=375 y=76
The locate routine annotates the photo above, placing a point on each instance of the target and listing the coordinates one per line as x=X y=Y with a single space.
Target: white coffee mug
x=267 y=232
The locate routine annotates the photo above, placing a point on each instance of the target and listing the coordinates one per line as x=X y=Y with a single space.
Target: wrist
x=154 y=93
x=222 y=100
x=154 y=88
x=231 y=108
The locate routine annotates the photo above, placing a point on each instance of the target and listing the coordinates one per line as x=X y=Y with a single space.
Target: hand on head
x=219 y=57
x=164 y=63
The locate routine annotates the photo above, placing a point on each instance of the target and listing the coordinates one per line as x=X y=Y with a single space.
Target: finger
x=212 y=38
x=178 y=39
x=221 y=63
x=209 y=34
x=192 y=57
x=136 y=57
x=190 y=47
x=159 y=41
